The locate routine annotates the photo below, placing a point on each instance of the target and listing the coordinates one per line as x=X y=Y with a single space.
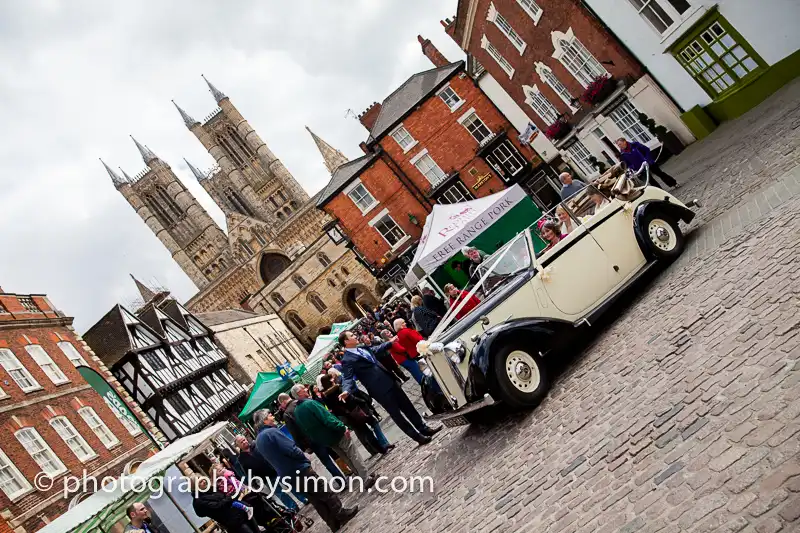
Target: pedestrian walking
x=407 y=339
x=361 y=363
x=635 y=154
x=424 y=319
x=290 y=463
x=288 y=406
x=256 y=467
x=323 y=428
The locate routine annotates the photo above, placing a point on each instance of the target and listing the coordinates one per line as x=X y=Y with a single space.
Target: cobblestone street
x=684 y=412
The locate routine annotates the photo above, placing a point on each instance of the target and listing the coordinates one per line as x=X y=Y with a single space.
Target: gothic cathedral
x=275 y=256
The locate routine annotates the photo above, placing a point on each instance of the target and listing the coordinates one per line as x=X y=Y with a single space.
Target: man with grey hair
x=288 y=406
x=324 y=429
x=292 y=465
x=569 y=185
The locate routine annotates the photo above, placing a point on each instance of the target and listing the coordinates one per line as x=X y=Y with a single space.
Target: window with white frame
x=38 y=449
x=428 y=167
x=661 y=14
x=506 y=160
x=12 y=482
x=72 y=438
x=98 y=426
x=17 y=371
x=362 y=197
x=475 y=126
x=132 y=427
x=548 y=76
x=389 y=230
x=497 y=56
x=455 y=193
x=505 y=28
x=626 y=117
x=532 y=9
x=46 y=363
x=403 y=138
x=450 y=98
x=540 y=104
x=576 y=58
x=72 y=353
x=580 y=156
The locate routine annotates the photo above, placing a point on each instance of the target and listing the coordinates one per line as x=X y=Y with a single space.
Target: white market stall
x=106 y=506
x=450 y=227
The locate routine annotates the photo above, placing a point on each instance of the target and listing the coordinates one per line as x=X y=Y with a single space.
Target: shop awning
x=267 y=387
x=450 y=227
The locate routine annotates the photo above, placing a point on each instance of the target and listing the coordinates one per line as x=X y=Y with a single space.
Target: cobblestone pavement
x=741 y=156
x=684 y=412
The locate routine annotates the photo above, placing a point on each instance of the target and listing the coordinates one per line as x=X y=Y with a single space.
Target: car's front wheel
x=520 y=376
x=664 y=236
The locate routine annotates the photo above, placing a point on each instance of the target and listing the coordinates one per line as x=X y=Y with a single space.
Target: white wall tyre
x=521 y=378
x=664 y=236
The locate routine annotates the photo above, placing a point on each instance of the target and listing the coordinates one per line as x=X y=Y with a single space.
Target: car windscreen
x=509 y=260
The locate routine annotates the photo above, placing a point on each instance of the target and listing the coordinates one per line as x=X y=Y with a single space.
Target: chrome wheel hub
x=662 y=235
x=522 y=371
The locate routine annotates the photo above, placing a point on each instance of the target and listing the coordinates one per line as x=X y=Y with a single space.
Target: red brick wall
x=387 y=189
x=37 y=415
x=451 y=146
x=558 y=15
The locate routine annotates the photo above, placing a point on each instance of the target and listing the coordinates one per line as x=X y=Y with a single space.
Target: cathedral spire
x=147 y=154
x=144 y=290
x=216 y=93
x=333 y=158
x=197 y=173
x=115 y=179
x=188 y=120
x=125 y=175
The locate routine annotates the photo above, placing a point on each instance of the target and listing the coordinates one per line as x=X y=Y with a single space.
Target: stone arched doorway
x=272 y=265
x=358 y=300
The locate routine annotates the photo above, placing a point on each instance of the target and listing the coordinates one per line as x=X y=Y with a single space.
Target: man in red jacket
x=406 y=344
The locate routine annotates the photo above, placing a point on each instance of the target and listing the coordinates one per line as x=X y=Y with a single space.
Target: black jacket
x=254 y=465
x=297 y=434
x=434 y=304
x=218 y=506
x=425 y=320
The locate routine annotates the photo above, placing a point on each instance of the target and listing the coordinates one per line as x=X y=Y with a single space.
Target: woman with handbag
x=355 y=415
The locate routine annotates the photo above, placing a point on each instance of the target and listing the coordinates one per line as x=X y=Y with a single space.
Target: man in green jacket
x=324 y=429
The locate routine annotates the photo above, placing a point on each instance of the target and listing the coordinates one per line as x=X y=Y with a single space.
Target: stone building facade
x=436 y=139
x=51 y=419
x=546 y=57
x=258 y=343
x=268 y=259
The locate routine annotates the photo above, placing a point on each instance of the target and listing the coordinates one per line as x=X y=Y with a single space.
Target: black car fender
x=678 y=212
x=542 y=334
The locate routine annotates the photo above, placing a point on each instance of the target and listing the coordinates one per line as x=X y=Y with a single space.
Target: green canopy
x=268 y=386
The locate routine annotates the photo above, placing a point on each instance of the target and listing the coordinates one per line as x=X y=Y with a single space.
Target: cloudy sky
x=79 y=76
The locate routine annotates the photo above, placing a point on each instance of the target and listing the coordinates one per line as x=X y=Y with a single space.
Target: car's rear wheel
x=664 y=236
x=520 y=376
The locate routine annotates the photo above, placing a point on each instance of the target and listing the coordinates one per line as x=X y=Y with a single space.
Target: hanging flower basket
x=600 y=89
x=557 y=130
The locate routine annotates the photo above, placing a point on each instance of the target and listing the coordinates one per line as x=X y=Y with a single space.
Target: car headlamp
x=456 y=351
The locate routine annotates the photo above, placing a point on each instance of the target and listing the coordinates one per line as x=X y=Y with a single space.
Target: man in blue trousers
x=360 y=363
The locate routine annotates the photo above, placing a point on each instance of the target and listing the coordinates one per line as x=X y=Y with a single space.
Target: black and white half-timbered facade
x=169 y=363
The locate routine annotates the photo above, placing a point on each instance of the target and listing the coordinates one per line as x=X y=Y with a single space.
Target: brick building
x=437 y=138
x=51 y=420
x=555 y=63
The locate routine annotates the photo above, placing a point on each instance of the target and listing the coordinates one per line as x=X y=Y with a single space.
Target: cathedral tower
x=173 y=214
x=332 y=157
x=247 y=178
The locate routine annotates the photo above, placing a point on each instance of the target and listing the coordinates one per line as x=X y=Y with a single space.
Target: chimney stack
x=368 y=117
x=432 y=53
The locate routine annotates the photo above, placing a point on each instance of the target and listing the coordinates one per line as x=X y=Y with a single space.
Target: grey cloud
x=80 y=76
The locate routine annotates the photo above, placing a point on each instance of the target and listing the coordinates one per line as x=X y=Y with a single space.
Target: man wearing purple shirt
x=635 y=154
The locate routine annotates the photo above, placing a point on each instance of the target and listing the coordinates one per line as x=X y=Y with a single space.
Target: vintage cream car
x=534 y=298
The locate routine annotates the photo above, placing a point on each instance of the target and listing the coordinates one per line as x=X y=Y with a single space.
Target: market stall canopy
x=88 y=514
x=450 y=227
x=267 y=387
